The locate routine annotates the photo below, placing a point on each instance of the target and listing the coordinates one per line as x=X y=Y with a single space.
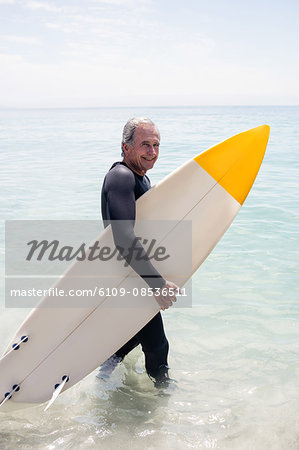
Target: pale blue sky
x=148 y=52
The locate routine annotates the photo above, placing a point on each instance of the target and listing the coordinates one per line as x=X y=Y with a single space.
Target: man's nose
x=151 y=150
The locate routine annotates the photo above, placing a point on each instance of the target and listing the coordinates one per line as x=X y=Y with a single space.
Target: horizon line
x=145 y=106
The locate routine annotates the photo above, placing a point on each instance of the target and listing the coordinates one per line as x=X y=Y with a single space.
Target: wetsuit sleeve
x=121 y=210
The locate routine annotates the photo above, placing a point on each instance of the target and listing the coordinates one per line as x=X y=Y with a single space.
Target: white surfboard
x=58 y=346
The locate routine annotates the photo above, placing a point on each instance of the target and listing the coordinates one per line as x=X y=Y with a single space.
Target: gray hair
x=130 y=128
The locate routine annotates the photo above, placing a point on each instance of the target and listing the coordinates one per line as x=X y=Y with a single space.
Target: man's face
x=142 y=155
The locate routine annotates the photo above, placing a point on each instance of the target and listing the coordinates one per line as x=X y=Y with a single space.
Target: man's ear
x=125 y=147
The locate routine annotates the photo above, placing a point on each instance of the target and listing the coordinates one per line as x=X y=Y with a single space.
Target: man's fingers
x=172 y=298
x=166 y=301
x=164 y=304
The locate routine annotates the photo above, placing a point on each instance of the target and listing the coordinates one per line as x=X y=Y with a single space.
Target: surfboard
x=56 y=346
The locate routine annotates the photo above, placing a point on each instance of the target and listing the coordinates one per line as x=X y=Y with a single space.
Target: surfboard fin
x=8 y=395
x=57 y=389
x=16 y=346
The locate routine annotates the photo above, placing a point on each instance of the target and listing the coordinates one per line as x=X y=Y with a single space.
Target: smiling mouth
x=149 y=159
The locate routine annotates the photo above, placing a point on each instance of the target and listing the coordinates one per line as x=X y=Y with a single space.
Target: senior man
x=124 y=183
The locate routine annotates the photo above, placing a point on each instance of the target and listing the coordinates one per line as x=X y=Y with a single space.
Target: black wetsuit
x=121 y=188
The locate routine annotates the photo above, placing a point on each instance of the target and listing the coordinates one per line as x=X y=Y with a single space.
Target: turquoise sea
x=235 y=353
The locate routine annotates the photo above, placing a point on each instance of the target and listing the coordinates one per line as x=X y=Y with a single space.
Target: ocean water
x=235 y=353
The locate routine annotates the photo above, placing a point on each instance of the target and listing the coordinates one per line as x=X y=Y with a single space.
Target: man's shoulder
x=120 y=170
x=119 y=173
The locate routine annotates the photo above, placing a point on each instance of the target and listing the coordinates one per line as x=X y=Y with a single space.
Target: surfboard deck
x=71 y=342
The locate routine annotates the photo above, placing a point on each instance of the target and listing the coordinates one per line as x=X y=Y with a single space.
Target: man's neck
x=133 y=167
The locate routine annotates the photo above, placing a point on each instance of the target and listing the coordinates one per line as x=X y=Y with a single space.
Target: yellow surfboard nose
x=234 y=163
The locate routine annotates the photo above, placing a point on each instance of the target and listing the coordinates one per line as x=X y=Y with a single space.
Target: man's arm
x=121 y=209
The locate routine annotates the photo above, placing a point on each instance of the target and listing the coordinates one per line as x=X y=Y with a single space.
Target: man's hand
x=166 y=296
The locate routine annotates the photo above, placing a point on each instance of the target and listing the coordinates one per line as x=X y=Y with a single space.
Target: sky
x=93 y=53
